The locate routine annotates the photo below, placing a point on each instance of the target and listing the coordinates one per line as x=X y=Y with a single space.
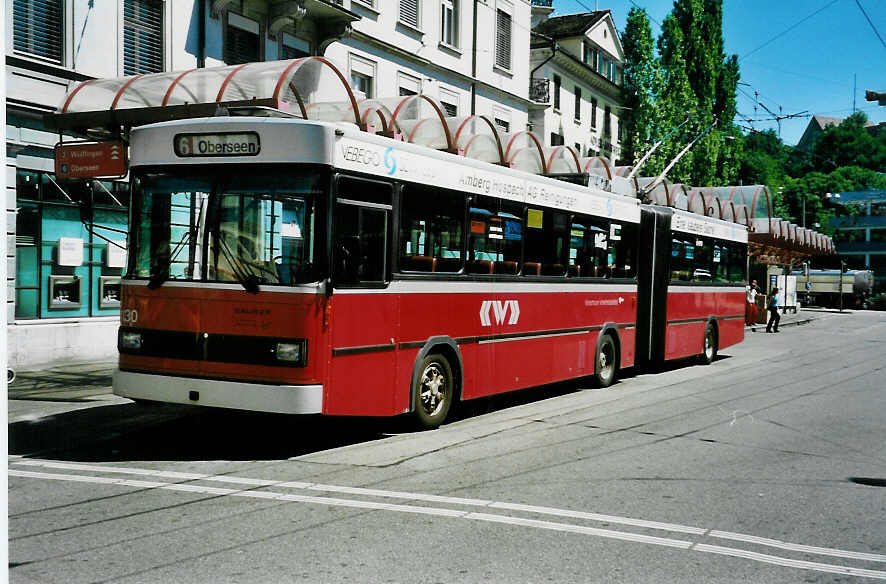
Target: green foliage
x=692 y=79
x=850 y=144
x=642 y=80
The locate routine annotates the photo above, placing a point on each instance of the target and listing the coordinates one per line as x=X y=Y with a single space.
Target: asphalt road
x=767 y=466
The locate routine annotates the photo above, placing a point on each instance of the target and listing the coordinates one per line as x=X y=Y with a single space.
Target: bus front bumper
x=282 y=399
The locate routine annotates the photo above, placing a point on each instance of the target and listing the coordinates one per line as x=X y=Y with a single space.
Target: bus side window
x=702 y=268
x=360 y=228
x=738 y=257
x=682 y=254
x=721 y=259
x=431 y=230
x=624 y=241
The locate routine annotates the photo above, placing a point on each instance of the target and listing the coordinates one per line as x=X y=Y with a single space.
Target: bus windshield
x=253 y=228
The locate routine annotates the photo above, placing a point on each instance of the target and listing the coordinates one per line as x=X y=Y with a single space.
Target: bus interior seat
x=574 y=271
x=450 y=265
x=531 y=269
x=506 y=267
x=421 y=264
x=552 y=269
x=480 y=266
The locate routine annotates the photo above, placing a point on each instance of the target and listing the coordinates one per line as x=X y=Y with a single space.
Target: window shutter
x=37 y=28
x=241 y=40
x=142 y=36
x=409 y=12
x=503 y=39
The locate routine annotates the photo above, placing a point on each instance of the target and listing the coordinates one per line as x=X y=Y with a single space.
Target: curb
x=762 y=328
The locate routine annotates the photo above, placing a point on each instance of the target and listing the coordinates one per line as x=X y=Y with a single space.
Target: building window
x=594 y=112
x=607 y=122
x=37 y=28
x=449 y=22
x=449 y=100
x=370 y=3
x=585 y=53
x=142 y=36
x=503 y=125
x=577 y=103
x=503 y=39
x=557 y=139
x=242 y=40
x=292 y=47
x=409 y=13
x=408 y=85
x=557 y=83
x=363 y=75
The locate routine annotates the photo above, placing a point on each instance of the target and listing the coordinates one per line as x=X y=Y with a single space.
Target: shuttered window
x=242 y=40
x=142 y=36
x=503 y=39
x=37 y=28
x=409 y=12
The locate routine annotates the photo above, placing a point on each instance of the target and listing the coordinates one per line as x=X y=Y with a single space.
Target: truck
x=824 y=287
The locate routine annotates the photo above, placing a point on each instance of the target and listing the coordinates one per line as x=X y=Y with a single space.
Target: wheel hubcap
x=433 y=389
x=709 y=345
x=606 y=360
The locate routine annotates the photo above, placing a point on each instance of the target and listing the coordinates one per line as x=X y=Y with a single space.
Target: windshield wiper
x=159 y=278
x=249 y=281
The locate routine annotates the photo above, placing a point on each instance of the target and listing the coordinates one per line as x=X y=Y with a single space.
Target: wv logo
x=499 y=311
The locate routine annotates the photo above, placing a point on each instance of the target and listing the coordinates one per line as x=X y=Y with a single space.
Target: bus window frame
x=389 y=231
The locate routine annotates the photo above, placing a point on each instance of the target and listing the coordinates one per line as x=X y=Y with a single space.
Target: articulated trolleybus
x=292 y=266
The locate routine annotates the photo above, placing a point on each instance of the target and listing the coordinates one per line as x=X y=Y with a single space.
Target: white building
x=576 y=75
x=61 y=304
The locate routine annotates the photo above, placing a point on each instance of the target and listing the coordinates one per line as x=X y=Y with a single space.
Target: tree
x=677 y=101
x=850 y=144
x=642 y=80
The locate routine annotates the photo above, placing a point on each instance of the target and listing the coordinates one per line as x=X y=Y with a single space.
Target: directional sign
x=90 y=159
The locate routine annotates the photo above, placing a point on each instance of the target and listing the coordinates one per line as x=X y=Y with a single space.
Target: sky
x=796 y=56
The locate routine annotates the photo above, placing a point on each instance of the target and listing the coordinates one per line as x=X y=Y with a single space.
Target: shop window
x=242 y=40
x=142 y=36
x=431 y=230
x=63 y=270
x=37 y=28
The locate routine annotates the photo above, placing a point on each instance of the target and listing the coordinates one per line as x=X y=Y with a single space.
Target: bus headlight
x=130 y=341
x=290 y=352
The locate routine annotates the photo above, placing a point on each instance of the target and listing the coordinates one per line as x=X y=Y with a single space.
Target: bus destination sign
x=218 y=144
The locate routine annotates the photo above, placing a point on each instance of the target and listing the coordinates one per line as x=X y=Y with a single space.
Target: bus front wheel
x=605 y=364
x=709 y=349
x=433 y=395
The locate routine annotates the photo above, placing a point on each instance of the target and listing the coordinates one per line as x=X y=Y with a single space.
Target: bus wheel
x=709 y=351
x=434 y=394
x=604 y=367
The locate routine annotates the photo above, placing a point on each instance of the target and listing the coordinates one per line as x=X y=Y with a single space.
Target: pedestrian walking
x=750 y=310
x=774 y=318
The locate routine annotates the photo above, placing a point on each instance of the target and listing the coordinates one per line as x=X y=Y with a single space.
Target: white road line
x=672 y=527
x=455 y=513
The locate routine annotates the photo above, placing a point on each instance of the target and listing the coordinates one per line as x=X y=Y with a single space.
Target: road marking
x=461 y=514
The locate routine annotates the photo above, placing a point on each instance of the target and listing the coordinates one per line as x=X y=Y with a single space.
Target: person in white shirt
x=750 y=313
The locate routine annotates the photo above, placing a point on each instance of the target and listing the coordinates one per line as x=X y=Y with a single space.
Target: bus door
x=653 y=276
x=362 y=315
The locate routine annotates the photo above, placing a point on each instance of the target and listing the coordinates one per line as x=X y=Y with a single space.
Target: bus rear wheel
x=434 y=391
x=709 y=349
x=605 y=362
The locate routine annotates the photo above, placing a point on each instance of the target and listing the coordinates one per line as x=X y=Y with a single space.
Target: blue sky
x=797 y=55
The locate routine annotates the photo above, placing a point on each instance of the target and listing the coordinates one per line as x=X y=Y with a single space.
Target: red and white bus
x=292 y=266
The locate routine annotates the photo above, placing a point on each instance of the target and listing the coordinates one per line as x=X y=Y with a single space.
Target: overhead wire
x=876 y=32
x=788 y=29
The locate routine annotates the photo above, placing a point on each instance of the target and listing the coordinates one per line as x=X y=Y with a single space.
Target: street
x=766 y=466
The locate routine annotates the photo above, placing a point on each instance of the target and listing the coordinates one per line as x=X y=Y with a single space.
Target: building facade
x=63 y=278
x=576 y=65
x=860 y=237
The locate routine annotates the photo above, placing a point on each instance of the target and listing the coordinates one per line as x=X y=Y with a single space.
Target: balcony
x=539 y=89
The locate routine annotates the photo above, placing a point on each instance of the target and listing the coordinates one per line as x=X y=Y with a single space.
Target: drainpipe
x=201 y=34
x=474 y=63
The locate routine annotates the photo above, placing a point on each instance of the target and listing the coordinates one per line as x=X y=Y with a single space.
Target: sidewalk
x=789 y=318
